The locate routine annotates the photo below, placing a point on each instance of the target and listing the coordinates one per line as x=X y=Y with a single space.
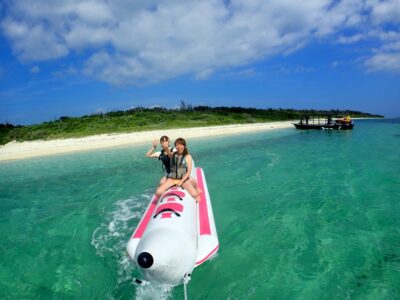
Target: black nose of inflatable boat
x=145 y=260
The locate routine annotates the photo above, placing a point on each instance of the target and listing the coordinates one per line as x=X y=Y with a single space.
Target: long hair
x=182 y=142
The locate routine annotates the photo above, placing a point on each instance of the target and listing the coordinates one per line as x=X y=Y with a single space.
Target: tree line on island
x=140 y=119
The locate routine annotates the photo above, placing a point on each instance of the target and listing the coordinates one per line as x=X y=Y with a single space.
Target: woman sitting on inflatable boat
x=181 y=168
x=162 y=156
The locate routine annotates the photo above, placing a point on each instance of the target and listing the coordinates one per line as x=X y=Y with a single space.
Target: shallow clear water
x=300 y=215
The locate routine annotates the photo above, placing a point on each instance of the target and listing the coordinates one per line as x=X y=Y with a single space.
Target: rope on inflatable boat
x=184 y=290
x=186 y=279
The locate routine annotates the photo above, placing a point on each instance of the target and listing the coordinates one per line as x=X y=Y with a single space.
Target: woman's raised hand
x=155 y=143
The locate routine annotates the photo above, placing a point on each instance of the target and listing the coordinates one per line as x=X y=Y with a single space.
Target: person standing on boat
x=181 y=164
x=162 y=155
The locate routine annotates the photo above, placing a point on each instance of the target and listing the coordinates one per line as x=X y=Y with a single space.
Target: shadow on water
x=380 y=265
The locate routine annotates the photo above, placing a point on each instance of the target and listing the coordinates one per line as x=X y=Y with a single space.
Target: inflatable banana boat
x=175 y=235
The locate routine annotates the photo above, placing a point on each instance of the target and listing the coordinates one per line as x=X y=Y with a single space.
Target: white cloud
x=100 y=111
x=246 y=73
x=81 y=36
x=351 y=39
x=35 y=42
x=139 y=42
x=395 y=46
x=119 y=69
x=388 y=36
x=385 y=61
x=387 y=56
x=35 y=69
x=296 y=69
x=204 y=74
x=91 y=12
x=386 y=11
x=65 y=71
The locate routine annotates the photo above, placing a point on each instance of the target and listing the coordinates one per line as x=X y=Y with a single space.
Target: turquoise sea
x=300 y=215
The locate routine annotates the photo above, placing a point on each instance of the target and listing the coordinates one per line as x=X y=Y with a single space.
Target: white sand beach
x=15 y=150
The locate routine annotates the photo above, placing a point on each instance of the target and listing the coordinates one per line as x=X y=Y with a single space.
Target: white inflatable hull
x=174 y=235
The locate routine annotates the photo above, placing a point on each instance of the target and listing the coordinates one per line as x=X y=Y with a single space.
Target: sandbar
x=22 y=150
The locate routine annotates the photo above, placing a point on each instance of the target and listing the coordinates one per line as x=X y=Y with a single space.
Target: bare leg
x=192 y=191
x=165 y=186
x=194 y=183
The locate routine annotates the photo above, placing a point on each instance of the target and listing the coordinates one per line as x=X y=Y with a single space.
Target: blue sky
x=72 y=58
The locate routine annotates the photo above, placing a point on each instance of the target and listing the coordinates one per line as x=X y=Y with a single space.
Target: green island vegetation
x=140 y=119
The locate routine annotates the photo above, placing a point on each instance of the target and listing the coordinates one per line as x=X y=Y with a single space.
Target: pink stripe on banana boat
x=145 y=220
x=207 y=240
x=204 y=220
